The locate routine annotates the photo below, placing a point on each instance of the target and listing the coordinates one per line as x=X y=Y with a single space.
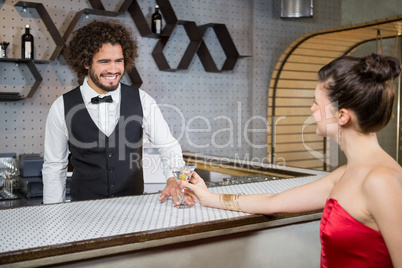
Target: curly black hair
x=87 y=41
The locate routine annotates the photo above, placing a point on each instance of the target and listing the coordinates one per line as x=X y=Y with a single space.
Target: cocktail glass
x=184 y=173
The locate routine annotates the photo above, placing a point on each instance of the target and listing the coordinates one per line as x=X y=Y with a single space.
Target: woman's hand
x=197 y=186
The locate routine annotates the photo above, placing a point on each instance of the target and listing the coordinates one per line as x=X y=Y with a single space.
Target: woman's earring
x=340 y=138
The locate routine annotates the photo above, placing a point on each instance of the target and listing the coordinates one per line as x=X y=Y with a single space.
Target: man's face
x=107 y=68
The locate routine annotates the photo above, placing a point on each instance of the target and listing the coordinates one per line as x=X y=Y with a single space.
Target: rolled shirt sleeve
x=158 y=133
x=54 y=172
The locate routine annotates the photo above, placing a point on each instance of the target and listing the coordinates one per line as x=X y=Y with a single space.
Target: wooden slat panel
x=368 y=33
x=297 y=147
x=390 y=27
x=308 y=67
x=357 y=36
x=305 y=164
x=328 y=39
x=317 y=53
x=296 y=138
x=338 y=39
x=314 y=45
x=390 y=30
x=297 y=129
x=296 y=155
x=292 y=111
x=305 y=102
x=269 y=113
x=304 y=59
x=317 y=164
x=321 y=168
x=270 y=101
x=283 y=56
x=288 y=84
x=301 y=75
x=291 y=120
x=300 y=93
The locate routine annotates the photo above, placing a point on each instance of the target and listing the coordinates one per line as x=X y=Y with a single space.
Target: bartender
x=101 y=123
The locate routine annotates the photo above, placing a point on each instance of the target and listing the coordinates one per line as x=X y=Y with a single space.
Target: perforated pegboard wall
x=217 y=109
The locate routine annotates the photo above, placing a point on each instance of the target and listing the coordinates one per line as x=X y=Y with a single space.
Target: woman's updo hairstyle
x=363 y=85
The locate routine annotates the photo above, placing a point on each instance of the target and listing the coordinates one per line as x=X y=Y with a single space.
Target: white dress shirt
x=105 y=116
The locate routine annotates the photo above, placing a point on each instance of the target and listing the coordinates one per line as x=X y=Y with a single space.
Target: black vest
x=105 y=166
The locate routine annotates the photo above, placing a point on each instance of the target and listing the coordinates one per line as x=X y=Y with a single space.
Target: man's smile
x=110 y=76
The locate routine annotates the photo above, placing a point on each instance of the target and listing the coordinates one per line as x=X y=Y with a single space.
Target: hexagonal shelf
x=31 y=63
x=228 y=46
x=28 y=91
x=49 y=25
x=142 y=24
x=195 y=37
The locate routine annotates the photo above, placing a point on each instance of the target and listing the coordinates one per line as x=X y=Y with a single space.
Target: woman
x=362 y=200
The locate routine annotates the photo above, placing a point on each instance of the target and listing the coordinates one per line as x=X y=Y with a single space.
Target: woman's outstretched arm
x=309 y=197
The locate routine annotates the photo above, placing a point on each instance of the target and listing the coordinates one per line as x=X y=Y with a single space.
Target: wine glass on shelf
x=183 y=173
x=8 y=172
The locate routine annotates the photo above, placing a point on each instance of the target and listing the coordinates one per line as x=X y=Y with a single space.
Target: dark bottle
x=156 y=23
x=27 y=44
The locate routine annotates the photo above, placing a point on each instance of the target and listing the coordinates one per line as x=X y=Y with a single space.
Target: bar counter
x=53 y=234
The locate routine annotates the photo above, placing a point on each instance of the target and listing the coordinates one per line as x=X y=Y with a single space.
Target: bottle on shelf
x=156 y=23
x=27 y=44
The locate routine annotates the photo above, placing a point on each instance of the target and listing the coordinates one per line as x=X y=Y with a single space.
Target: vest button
x=111 y=170
x=110 y=155
x=112 y=185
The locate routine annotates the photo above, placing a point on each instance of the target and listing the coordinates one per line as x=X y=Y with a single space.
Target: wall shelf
x=195 y=37
x=142 y=24
x=228 y=46
x=48 y=23
x=28 y=93
x=58 y=40
x=196 y=45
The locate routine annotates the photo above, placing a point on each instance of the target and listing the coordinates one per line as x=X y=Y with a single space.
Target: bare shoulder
x=335 y=175
x=384 y=180
x=382 y=192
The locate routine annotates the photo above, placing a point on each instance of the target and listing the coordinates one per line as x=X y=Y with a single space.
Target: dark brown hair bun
x=362 y=85
x=380 y=68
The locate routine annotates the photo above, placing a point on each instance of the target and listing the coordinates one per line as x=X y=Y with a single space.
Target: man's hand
x=173 y=189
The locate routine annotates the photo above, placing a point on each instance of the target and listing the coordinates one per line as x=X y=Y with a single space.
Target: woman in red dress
x=362 y=200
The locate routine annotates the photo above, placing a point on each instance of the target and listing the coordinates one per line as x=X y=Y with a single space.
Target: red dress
x=346 y=242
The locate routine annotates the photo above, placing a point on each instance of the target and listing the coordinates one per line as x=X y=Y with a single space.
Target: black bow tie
x=97 y=100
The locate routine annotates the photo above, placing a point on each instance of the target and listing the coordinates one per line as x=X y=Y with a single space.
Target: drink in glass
x=183 y=173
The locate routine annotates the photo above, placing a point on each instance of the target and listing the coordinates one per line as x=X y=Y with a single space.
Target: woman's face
x=324 y=113
x=107 y=68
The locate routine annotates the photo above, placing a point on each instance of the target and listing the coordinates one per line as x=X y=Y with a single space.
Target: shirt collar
x=88 y=93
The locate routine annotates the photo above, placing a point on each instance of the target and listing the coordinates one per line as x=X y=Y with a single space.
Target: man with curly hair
x=101 y=122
